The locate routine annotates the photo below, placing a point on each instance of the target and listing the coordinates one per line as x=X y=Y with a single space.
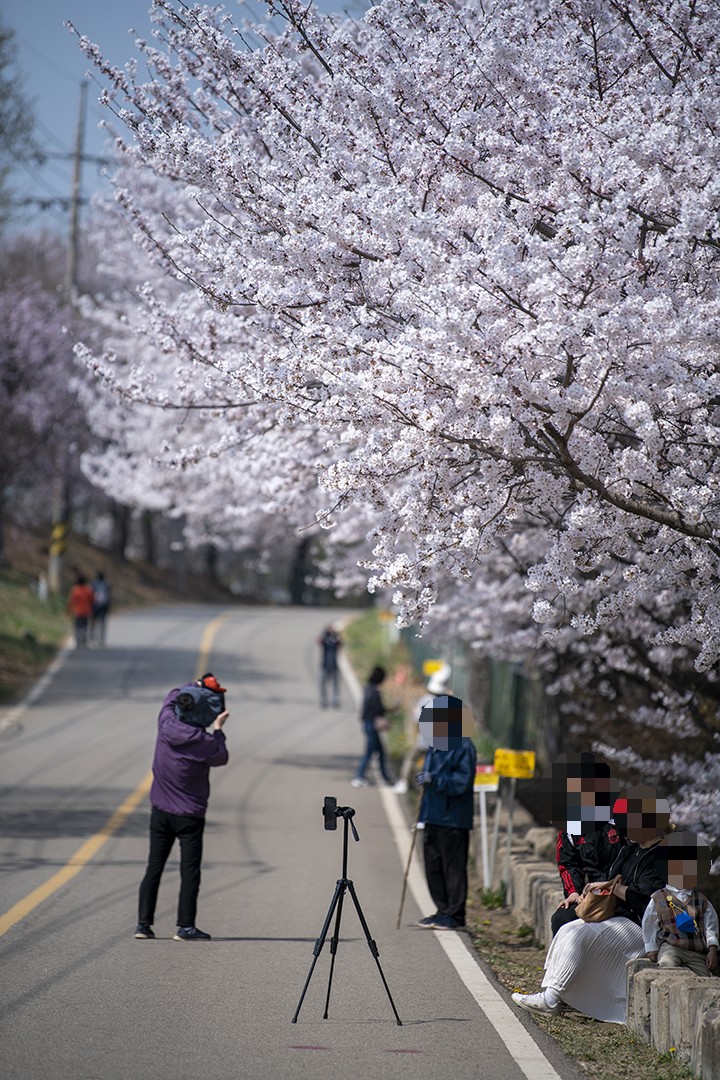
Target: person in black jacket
x=373 y=709
x=582 y=858
x=579 y=797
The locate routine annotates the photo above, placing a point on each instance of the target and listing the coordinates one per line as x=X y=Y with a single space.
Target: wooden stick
x=410 y=855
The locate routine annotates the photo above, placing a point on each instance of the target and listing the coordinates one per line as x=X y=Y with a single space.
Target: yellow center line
x=89 y=849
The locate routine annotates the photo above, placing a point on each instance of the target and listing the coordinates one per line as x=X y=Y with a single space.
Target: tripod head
x=331 y=812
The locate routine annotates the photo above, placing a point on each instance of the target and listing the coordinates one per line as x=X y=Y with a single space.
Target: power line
x=49 y=134
x=45 y=59
x=40 y=181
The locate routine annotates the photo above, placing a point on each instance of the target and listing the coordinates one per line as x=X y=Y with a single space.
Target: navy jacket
x=372 y=706
x=448 y=800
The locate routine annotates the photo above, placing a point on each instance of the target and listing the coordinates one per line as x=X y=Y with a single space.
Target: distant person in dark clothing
x=80 y=607
x=330 y=644
x=184 y=754
x=101 y=607
x=373 y=720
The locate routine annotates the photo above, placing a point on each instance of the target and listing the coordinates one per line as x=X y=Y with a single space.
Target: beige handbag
x=596 y=907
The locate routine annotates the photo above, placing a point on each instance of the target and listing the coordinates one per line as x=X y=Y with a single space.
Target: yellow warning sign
x=58 y=538
x=517 y=763
x=486 y=779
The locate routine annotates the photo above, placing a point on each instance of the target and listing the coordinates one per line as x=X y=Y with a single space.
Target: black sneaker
x=190 y=933
x=429 y=919
x=445 y=922
x=144 y=930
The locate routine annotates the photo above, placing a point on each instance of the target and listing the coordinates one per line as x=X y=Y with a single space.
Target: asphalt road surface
x=81 y=998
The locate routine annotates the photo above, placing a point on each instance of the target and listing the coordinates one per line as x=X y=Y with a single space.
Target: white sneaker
x=359 y=781
x=401 y=787
x=536 y=1003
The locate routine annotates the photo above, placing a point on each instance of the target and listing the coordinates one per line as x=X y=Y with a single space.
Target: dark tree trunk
x=121 y=531
x=211 y=563
x=3 y=522
x=148 y=535
x=298 y=572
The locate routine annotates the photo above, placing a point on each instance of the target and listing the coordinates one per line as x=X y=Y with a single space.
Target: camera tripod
x=343 y=885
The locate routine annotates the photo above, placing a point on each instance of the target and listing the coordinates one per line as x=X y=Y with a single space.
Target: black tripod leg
x=339 y=891
x=373 y=947
x=334 y=943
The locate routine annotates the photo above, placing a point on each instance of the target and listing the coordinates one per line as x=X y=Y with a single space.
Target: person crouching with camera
x=190 y=741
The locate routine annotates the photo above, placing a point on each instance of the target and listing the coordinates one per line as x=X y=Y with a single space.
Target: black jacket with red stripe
x=587 y=857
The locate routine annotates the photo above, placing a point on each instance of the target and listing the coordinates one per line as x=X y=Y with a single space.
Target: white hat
x=439 y=679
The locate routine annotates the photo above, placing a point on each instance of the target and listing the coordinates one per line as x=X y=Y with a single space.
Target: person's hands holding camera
x=220 y=720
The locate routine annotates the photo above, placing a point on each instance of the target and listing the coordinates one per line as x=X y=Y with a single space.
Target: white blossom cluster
x=461 y=259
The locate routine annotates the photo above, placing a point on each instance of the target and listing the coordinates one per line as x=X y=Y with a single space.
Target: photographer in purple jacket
x=190 y=741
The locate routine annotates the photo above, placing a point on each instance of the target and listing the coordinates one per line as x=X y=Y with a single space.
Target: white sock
x=552 y=996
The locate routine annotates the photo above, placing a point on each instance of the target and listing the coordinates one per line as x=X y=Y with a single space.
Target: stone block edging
x=675 y=1010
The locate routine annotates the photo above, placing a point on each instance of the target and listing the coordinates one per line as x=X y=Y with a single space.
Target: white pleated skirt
x=586 y=965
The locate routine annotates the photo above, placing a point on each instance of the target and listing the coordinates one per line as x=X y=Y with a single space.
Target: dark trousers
x=446 y=855
x=562 y=916
x=164 y=829
x=329 y=680
x=373 y=745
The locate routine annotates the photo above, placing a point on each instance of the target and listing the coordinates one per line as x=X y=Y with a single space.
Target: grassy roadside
x=30 y=632
x=603 y=1051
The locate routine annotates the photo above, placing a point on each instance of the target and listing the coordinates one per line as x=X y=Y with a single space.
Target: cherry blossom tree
x=43 y=428
x=473 y=248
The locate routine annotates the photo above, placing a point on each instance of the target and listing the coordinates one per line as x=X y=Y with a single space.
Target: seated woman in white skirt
x=585 y=964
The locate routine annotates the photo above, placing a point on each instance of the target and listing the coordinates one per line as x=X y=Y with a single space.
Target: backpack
x=101 y=593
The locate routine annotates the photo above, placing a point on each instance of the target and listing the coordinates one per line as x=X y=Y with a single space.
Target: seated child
x=680 y=925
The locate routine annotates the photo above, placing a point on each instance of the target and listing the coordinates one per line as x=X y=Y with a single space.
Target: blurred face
x=578 y=794
x=588 y=803
x=445 y=722
x=642 y=816
x=687 y=860
x=682 y=873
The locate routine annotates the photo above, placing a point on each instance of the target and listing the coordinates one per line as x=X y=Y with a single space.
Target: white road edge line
x=521 y=1046
x=38 y=688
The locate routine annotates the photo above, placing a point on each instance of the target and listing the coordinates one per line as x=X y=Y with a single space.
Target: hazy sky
x=53 y=68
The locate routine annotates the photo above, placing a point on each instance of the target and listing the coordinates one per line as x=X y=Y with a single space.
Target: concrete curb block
x=676 y=1011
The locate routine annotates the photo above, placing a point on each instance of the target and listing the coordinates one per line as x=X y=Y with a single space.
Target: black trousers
x=164 y=829
x=562 y=916
x=446 y=856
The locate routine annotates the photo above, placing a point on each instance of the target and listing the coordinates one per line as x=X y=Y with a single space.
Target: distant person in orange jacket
x=80 y=606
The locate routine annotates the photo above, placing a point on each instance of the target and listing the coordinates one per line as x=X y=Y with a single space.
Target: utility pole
x=61 y=495
x=75 y=198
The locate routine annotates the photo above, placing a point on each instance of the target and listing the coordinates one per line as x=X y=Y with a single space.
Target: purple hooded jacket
x=181 y=767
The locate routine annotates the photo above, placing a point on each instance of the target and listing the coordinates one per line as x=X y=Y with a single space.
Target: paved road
x=80 y=998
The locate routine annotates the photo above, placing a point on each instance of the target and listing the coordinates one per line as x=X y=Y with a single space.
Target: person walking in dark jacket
x=184 y=754
x=447 y=806
x=372 y=718
x=330 y=644
x=101 y=606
